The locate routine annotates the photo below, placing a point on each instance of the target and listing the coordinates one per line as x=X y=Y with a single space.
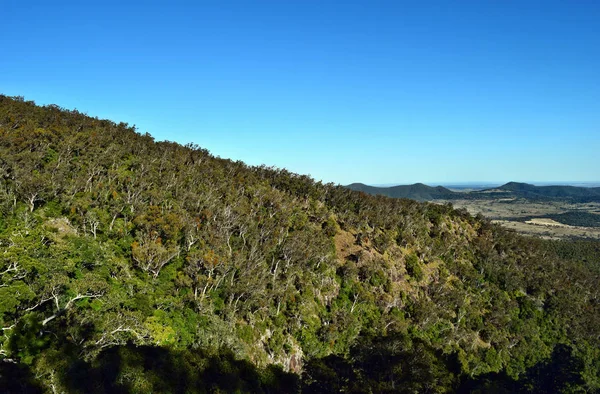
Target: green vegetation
x=579 y=194
x=129 y=265
x=571 y=218
x=583 y=219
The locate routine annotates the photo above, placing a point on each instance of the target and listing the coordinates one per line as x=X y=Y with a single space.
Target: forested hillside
x=129 y=265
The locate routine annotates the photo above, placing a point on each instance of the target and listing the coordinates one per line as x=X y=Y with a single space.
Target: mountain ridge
x=422 y=192
x=550 y=191
x=416 y=191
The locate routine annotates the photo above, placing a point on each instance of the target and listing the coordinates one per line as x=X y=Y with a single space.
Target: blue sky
x=377 y=92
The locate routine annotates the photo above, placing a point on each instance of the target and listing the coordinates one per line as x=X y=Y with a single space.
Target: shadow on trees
x=16 y=378
x=561 y=373
x=392 y=364
x=130 y=369
x=401 y=365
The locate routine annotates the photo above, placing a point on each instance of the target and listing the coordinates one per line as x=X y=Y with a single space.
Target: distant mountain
x=418 y=191
x=526 y=190
x=421 y=192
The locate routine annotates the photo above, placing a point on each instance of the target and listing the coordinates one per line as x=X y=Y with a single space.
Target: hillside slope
x=129 y=265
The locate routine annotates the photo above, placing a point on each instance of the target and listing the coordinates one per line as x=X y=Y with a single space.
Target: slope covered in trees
x=129 y=265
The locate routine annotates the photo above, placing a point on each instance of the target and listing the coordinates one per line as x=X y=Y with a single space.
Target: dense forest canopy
x=130 y=265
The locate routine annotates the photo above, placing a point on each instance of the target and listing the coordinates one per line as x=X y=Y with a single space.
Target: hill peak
x=516 y=186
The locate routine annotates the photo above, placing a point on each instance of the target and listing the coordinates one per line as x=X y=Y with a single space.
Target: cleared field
x=551 y=231
x=546 y=222
x=527 y=217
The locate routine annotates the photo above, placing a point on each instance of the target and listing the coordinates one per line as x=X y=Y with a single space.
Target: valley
x=546 y=219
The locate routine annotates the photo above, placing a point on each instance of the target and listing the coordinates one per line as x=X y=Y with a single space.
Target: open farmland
x=548 y=219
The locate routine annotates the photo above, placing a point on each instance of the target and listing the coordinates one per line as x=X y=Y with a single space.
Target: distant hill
x=421 y=192
x=418 y=191
x=526 y=190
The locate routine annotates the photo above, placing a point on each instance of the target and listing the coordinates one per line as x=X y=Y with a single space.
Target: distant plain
x=531 y=217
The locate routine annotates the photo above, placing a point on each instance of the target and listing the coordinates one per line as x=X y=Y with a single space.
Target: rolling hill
x=417 y=191
x=525 y=190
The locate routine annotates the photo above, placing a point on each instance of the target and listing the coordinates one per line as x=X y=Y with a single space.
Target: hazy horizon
x=479 y=184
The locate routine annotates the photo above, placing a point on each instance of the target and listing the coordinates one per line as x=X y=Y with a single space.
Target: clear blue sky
x=367 y=91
